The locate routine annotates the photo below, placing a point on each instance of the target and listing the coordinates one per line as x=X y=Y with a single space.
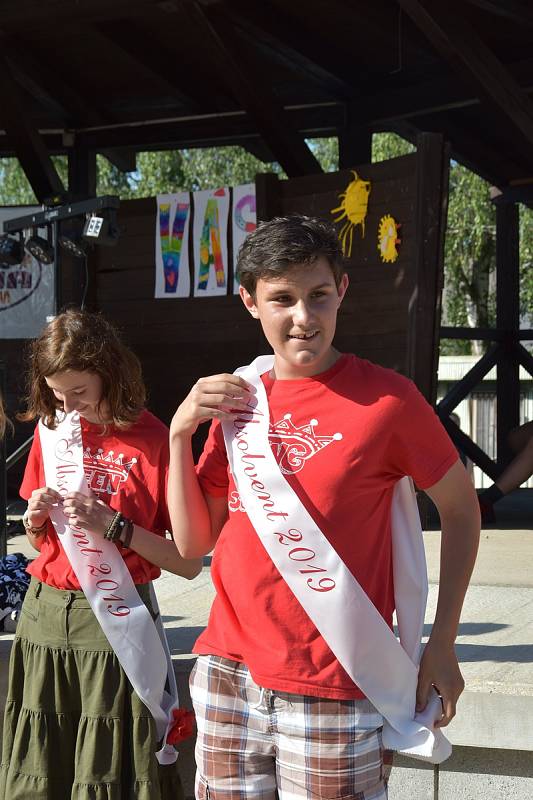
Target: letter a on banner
x=172 y=278
x=210 y=232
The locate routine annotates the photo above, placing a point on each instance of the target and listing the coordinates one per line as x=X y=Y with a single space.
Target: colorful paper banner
x=210 y=242
x=172 y=277
x=243 y=220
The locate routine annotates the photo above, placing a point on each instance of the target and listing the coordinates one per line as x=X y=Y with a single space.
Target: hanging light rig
x=71 y=227
x=11 y=251
x=40 y=248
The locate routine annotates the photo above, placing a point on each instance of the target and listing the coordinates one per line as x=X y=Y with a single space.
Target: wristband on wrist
x=128 y=533
x=29 y=527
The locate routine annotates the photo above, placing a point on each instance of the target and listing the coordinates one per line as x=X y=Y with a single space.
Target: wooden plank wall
x=391 y=311
x=178 y=340
x=389 y=308
x=372 y=318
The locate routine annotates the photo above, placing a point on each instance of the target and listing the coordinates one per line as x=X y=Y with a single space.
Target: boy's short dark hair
x=283 y=242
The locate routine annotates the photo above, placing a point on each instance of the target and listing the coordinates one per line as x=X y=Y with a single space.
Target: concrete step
x=493 y=731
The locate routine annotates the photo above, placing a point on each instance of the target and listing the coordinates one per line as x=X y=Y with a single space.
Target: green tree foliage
x=388 y=145
x=470 y=247
x=526 y=264
x=182 y=170
x=470 y=255
x=15 y=189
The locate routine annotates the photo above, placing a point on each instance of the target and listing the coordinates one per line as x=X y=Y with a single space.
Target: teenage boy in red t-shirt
x=277 y=714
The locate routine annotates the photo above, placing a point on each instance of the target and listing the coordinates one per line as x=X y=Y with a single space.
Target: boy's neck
x=285 y=371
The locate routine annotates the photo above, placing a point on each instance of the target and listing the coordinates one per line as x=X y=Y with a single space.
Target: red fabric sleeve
x=212 y=467
x=34 y=472
x=420 y=447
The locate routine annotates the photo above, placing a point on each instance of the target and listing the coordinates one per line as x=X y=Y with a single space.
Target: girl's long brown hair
x=84 y=342
x=3 y=419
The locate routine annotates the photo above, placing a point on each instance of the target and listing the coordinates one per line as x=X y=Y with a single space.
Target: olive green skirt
x=74 y=729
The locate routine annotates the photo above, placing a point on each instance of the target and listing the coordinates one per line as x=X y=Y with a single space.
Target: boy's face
x=298 y=314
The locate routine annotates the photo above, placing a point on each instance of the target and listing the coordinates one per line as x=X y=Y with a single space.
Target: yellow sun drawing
x=388 y=238
x=353 y=208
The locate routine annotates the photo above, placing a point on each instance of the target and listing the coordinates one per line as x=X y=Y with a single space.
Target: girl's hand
x=39 y=505
x=87 y=513
x=216 y=397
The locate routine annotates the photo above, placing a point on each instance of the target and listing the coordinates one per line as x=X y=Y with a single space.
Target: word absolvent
x=252 y=463
x=101 y=570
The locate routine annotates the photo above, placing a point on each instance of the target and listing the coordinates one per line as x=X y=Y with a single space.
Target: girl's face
x=81 y=392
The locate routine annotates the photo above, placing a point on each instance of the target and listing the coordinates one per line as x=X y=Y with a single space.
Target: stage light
x=11 y=252
x=40 y=248
x=101 y=228
x=70 y=237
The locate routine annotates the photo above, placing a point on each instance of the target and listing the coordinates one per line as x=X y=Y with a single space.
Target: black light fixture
x=40 y=248
x=66 y=223
x=71 y=237
x=11 y=252
x=101 y=227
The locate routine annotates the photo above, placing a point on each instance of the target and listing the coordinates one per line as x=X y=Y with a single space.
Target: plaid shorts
x=258 y=744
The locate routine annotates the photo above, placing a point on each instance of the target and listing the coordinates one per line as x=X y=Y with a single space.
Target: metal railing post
x=3 y=473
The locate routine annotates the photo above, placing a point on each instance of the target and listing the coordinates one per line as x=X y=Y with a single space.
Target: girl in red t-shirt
x=73 y=723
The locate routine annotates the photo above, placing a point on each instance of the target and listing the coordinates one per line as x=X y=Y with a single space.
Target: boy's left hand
x=87 y=513
x=439 y=668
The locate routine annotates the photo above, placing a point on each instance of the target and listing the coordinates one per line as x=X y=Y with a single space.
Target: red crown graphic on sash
x=293 y=446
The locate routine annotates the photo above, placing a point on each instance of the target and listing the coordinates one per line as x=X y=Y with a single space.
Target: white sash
x=385 y=670
x=140 y=645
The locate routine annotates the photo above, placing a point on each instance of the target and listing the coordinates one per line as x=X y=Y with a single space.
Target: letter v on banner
x=385 y=669
x=140 y=646
x=172 y=278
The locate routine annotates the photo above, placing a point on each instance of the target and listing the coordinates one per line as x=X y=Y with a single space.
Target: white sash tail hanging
x=140 y=645
x=385 y=669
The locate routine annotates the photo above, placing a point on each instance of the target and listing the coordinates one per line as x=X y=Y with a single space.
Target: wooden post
x=424 y=306
x=266 y=195
x=74 y=272
x=508 y=320
x=355 y=143
x=3 y=471
x=81 y=172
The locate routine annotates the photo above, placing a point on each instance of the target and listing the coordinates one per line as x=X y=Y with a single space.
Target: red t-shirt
x=127 y=469
x=342 y=439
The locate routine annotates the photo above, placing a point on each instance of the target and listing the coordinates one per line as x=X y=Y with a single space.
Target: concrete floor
x=494 y=725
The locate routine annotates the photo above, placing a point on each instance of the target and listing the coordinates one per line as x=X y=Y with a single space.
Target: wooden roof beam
x=253 y=93
x=435 y=96
x=461 y=46
x=514 y=10
x=77 y=112
x=122 y=158
x=469 y=149
x=325 y=61
x=231 y=129
x=33 y=14
x=37 y=68
x=474 y=155
x=29 y=147
x=151 y=57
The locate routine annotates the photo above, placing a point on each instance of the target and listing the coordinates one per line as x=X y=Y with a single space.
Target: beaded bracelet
x=114 y=529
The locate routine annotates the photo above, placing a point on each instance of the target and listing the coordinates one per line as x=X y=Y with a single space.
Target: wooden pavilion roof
x=120 y=76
